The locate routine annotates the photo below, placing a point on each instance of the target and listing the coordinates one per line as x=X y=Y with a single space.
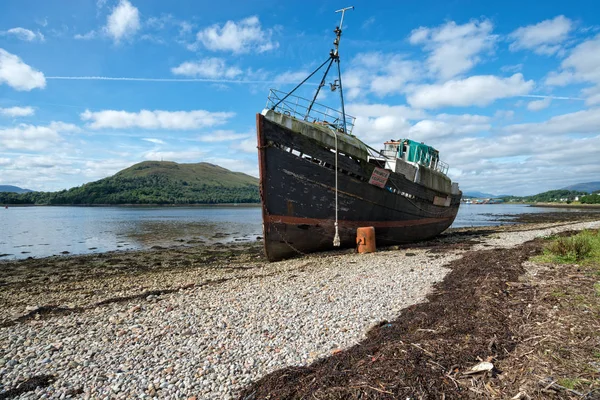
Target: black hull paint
x=298 y=198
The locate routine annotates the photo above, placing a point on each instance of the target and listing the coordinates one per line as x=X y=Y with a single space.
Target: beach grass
x=583 y=248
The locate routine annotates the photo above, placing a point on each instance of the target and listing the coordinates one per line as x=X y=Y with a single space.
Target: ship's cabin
x=412 y=152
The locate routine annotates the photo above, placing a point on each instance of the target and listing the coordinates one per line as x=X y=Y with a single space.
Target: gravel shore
x=215 y=329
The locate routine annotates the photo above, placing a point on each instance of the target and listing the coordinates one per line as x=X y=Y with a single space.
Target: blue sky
x=509 y=92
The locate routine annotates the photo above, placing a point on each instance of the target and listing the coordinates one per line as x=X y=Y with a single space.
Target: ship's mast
x=333 y=57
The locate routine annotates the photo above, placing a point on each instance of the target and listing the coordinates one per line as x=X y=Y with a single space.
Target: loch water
x=46 y=231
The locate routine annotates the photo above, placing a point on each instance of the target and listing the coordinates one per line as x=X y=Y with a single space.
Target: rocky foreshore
x=191 y=323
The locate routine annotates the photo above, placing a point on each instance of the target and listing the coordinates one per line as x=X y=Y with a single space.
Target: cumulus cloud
x=380 y=110
x=18 y=75
x=521 y=163
x=454 y=49
x=238 y=37
x=582 y=122
x=33 y=137
x=222 y=136
x=581 y=65
x=374 y=130
x=538 y=105
x=544 y=38
x=207 y=68
x=157 y=119
x=123 y=22
x=17 y=111
x=24 y=34
x=379 y=73
x=479 y=90
x=247 y=145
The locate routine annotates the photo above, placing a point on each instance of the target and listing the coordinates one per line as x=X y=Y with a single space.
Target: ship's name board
x=379 y=177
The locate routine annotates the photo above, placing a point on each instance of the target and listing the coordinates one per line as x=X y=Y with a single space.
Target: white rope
x=336 y=238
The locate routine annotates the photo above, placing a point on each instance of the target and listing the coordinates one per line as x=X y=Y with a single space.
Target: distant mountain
x=13 y=189
x=154 y=182
x=481 y=195
x=588 y=187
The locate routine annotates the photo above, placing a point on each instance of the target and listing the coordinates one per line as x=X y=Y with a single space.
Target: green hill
x=154 y=182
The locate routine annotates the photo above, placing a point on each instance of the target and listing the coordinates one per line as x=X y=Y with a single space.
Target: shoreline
x=552 y=205
x=137 y=205
x=205 y=322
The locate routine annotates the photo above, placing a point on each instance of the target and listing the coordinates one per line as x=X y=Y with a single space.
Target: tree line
x=152 y=189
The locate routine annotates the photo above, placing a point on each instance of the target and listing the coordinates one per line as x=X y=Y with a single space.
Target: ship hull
x=297 y=185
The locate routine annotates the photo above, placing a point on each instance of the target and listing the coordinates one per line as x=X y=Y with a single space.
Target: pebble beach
x=201 y=328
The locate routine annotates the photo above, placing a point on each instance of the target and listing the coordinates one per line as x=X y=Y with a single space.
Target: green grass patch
x=583 y=247
x=569 y=383
x=597 y=288
x=559 y=294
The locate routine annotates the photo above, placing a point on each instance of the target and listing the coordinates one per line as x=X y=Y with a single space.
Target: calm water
x=45 y=231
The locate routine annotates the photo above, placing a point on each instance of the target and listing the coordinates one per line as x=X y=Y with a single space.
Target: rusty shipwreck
x=319 y=183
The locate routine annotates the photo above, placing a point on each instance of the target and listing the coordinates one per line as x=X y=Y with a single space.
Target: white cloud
x=20 y=76
x=521 y=163
x=379 y=73
x=86 y=36
x=592 y=94
x=222 y=136
x=293 y=77
x=512 y=68
x=155 y=141
x=177 y=156
x=17 y=111
x=538 y=105
x=375 y=130
x=376 y=123
x=157 y=119
x=123 y=22
x=581 y=122
x=454 y=49
x=33 y=137
x=544 y=38
x=60 y=126
x=479 y=90
x=380 y=110
x=238 y=37
x=433 y=129
x=24 y=34
x=504 y=114
x=207 y=68
x=582 y=65
x=247 y=145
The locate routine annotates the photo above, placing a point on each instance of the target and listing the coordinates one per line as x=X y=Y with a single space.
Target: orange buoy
x=365 y=239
